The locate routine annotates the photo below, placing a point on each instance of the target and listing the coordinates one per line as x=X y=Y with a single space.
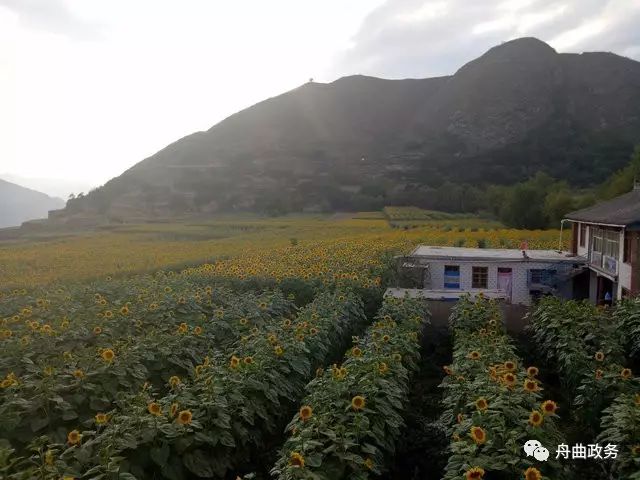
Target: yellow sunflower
x=108 y=355
x=478 y=435
x=358 y=402
x=482 y=404
x=536 y=418
x=154 y=409
x=532 y=473
x=296 y=460
x=305 y=413
x=184 y=417
x=549 y=407
x=74 y=437
x=101 y=418
x=474 y=473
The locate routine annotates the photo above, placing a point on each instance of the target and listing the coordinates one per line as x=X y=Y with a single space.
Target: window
x=612 y=243
x=597 y=239
x=479 y=277
x=583 y=234
x=626 y=253
x=541 y=276
x=451 y=276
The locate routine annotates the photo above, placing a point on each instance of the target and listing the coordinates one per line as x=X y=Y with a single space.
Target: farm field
x=274 y=247
x=263 y=348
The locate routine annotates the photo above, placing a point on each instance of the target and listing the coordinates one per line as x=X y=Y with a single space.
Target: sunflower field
x=586 y=346
x=352 y=415
x=265 y=349
x=493 y=405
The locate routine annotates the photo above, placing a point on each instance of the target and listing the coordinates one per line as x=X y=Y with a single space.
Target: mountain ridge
x=19 y=204
x=517 y=109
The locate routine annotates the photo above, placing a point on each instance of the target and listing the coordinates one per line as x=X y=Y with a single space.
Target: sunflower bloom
x=474 y=473
x=599 y=356
x=549 y=407
x=74 y=437
x=626 y=373
x=474 y=355
x=532 y=473
x=184 y=417
x=296 y=460
x=509 y=379
x=368 y=463
x=482 y=404
x=478 y=435
x=154 y=409
x=108 y=355
x=533 y=371
x=531 y=385
x=305 y=413
x=174 y=381
x=536 y=418
x=358 y=402
x=101 y=418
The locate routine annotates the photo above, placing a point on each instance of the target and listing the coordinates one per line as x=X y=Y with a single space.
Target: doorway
x=605 y=286
x=505 y=281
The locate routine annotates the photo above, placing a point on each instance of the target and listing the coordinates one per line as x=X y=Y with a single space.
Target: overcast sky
x=90 y=87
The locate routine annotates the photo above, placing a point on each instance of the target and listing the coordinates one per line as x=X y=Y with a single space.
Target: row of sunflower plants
x=621 y=426
x=492 y=405
x=585 y=345
x=627 y=316
x=351 y=417
x=82 y=370
x=208 y=424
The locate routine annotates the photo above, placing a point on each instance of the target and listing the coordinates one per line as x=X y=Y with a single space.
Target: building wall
x=519 y=277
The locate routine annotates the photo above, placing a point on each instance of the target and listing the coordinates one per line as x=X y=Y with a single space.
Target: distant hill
x=19 y=204
x=54 y=187
x=363 y=142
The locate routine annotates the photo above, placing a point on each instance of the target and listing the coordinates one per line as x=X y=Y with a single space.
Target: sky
x=90 y=87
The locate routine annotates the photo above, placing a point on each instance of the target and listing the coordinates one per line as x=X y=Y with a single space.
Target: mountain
x=361 y=142
x=19 y=204
x=54 y=187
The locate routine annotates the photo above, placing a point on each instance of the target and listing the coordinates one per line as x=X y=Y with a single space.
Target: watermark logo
x=595 y=451
x=534 y=448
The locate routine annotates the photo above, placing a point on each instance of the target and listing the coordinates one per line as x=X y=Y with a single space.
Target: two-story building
x=608 y=236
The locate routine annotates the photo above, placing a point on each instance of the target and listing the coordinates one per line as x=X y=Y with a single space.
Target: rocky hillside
x=19 y=204
x=518 y=109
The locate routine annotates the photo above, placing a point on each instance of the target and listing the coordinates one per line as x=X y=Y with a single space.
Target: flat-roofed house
x=516 y=276
x=608 y=235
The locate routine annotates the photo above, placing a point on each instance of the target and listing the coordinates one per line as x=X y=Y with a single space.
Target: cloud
x=418 y=38
x=53 y=16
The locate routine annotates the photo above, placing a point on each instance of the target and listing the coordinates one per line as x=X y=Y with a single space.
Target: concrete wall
x=520 y=270
x=513 y=315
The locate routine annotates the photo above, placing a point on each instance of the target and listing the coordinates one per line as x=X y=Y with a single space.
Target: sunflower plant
x=492 y=403
x=352 y=414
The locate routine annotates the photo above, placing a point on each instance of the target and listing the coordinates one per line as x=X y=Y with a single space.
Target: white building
x=608 y=236
x=517 y=276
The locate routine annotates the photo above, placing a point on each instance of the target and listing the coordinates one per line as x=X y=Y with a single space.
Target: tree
x=622 y=181
x=525 y=207
x=556 y=205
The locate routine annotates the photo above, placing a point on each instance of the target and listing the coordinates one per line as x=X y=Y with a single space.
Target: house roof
x=494 y=254
x=620 y=211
